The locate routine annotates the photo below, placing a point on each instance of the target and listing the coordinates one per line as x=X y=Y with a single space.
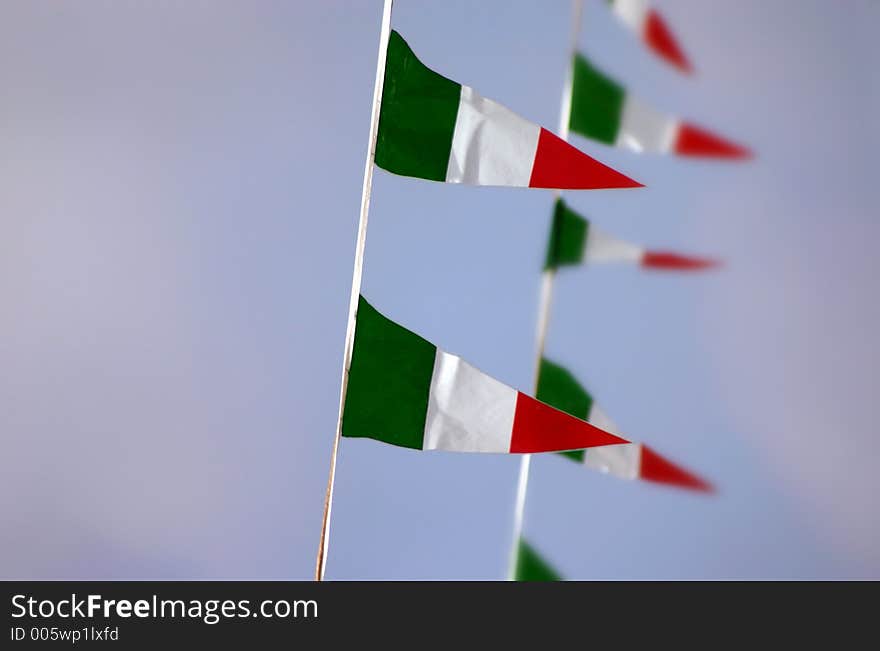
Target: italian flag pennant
x=601 y=109
x=405 y=391
x=433 y=128
x=531 y=567
x=647 y=24
x=574 y=241
x=558 y=387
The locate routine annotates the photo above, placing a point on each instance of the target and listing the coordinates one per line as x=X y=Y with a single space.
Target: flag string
x=357 y=276
x=545 y=297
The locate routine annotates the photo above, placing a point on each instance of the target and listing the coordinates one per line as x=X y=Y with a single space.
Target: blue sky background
x=180 y=189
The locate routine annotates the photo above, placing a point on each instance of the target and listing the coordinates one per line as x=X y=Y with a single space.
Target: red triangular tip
x=538 y=427
x=660 y=39
x=656 y=468
x=676 y=262
x=696 y=141
x=560 y=166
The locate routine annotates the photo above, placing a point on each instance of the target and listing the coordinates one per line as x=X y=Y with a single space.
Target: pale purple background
x=180 y=186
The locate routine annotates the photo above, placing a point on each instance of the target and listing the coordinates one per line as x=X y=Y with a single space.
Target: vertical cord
x=545 y=298
x=357 y=275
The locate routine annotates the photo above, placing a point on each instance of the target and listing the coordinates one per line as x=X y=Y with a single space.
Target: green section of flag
x=596 y=103
x=574 y=455
x=419 y=109
x=389 y=381
x=559 y=388
x=531 y=567
x=568 y=236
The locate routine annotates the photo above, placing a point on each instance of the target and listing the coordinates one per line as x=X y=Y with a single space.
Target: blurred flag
x=575 y=241
x=433 y=128
x=601 y=109
x=531 y=567
x=404 y=391
x=558 y=388
x=651 y=28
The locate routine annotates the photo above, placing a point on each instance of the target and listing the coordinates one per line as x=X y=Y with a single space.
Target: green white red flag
x=559 y=388
x=405 y=391
x=649 y=26
x=574 y=241
x=603 y=110
x=431 y=127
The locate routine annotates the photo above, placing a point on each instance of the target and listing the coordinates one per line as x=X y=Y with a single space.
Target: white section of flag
x=601 y=247
x=468 y=411
x=491 y=145
x=632 y=12
x=644 y=129
x=623 y=460
x=600 y=419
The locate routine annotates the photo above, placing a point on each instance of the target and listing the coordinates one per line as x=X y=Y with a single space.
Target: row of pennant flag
x=401 y=389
